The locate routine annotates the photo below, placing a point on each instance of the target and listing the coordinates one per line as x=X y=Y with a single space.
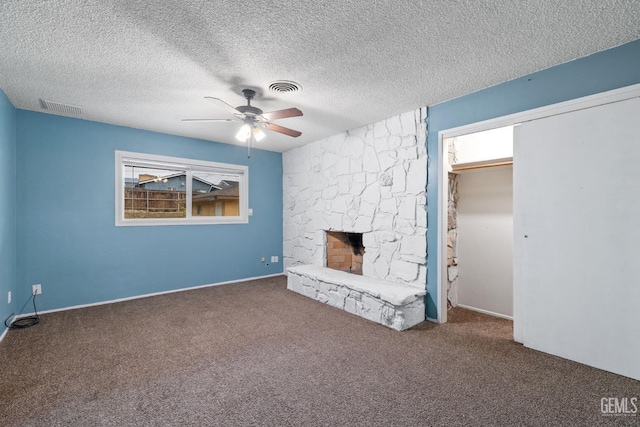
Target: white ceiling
x=149 y=64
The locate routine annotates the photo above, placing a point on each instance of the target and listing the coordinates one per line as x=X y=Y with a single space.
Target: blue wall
x=67 y=240
x=8 y=273
x=607 y=70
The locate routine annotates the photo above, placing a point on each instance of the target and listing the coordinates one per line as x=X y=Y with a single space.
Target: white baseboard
x=490 y=313
x=5 y=332
x=74 y=307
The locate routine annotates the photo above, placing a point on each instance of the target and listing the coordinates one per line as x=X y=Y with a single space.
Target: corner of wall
x=8 y=236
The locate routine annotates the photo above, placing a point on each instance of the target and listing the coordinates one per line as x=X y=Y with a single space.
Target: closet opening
x=478 y=270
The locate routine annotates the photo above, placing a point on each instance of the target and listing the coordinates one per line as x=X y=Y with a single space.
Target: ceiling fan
x=254 y=119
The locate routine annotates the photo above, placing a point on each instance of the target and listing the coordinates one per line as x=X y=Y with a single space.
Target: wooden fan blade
x=224 y=105
x=282 y=114
x=208 y=120
x=284 y=130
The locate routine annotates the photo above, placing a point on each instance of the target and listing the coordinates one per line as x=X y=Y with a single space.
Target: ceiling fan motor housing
x=249 y=110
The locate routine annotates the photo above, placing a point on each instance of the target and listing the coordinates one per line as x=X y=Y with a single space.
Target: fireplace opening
x=345 y=251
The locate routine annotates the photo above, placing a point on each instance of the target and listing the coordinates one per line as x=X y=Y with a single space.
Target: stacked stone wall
x=371 y=180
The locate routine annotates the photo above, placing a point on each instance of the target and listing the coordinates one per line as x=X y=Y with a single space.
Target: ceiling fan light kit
x=254 y=119
x=244 y=133
x=258 y=134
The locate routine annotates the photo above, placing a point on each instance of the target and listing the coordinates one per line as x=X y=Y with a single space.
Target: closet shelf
x=459 y=167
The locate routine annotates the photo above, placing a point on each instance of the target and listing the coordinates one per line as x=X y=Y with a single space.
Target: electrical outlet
x=274 y=258
x=262 y=259
x=9 y=297
x=36 y=289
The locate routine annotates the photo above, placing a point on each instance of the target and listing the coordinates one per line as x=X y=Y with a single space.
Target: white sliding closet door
x=577 y=215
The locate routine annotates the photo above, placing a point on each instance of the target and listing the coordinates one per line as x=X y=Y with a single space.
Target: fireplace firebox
x=345 y=251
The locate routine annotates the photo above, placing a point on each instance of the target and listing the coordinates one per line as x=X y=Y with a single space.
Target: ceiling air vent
x=59 y=108
x=284 y=86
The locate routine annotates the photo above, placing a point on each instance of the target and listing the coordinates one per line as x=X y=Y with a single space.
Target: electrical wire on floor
x=24 y=322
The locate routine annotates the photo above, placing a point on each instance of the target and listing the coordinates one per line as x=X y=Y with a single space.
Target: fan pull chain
x=251 y=143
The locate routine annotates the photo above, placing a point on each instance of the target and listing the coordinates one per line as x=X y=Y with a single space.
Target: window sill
x=179 y=221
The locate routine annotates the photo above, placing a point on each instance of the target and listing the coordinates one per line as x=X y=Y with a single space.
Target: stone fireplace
x=345 y=251
x=370 y=181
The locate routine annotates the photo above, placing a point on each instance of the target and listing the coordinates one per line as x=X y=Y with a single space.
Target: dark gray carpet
x=256 y=354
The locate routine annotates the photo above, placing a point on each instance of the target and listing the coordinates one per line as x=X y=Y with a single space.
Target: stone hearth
x=396 y=306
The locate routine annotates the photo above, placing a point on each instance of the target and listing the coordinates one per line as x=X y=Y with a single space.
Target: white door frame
x=590 y=101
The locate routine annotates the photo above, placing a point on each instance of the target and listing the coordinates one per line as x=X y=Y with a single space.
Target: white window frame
x=123 y=158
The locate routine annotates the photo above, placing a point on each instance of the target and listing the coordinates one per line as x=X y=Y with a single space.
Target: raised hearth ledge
x=394 y=305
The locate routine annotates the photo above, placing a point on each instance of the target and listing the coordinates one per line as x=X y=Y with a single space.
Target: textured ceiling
x=149 y=64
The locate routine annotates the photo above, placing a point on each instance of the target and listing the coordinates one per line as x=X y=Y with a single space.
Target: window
x=160 y=190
